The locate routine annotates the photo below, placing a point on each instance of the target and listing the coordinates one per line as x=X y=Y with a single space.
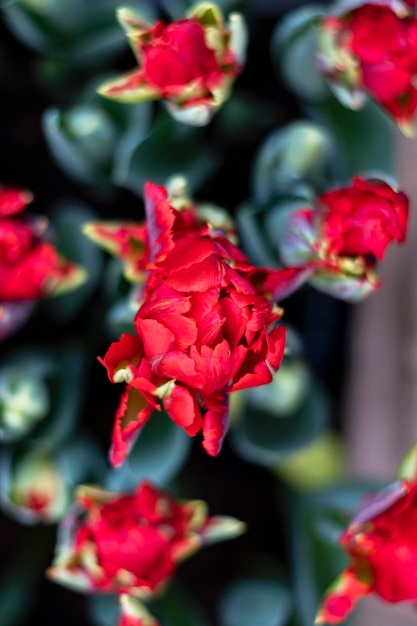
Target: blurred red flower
x=373 y=48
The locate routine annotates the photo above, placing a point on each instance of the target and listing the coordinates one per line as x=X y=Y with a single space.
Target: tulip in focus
x=372 y=49
x=191 y=63
x=207 y=327
x=341 y=238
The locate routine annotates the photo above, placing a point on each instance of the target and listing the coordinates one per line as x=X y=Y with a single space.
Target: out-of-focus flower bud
x=36 y=490
x=340 y=240
x=132 y=543
x=24 y=395
x=369 y=48
x=30 y=267
x=190 y=63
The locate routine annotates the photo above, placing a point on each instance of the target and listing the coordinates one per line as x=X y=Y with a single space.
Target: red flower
x=126 y=240
x=132 y=544
x=342 y=236
x=373 y=48
x=205 y=329
x=362 y=219
x=30 y=268
x=191 y=63
x=381 y=542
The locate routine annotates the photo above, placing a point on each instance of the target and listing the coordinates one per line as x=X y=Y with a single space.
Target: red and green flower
x=204 y=330
x=371 y=49
x=131 y=544
x=191 y=63
x=30 y=267
x=339 y=240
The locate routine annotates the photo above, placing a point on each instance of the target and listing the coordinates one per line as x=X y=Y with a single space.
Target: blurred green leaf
x=170 y=149
x=244 y=117
x=176 y=8
x=178 y=607
x=286 y=394
x=82 y=141
x=255 y=602
x=68 y=219
x=58 y=376
x=267 y=438
x=81 y=461
x=82 y=33
x=158 y=455
x=103 y=610
x=67 y=393
x=291 y=161
x=24 y=394
x=175 y=607
x=249 y=221
x=293 y=52
x=120 y=318
x=364 y=139
x=315 y=466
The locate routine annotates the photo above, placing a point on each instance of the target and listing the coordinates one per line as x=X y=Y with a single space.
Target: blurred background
x=301 y=453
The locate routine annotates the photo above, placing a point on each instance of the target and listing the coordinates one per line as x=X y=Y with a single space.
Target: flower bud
x=190 y=63
x=37 y=491
x=131 y=543
x=368 y=48
x=341 y=238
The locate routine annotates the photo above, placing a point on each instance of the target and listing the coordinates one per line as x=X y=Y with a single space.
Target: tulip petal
x=160 y=219
x=132 y=414
x=157 y=338
x=134 y=613
x=130 y=88
x=183 y=409
x=121 y=354
x=216 y=421
x=13 y=200
x=341 y=598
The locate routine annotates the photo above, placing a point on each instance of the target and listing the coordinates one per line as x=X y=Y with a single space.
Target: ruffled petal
x=216 y=422
x=182 y=407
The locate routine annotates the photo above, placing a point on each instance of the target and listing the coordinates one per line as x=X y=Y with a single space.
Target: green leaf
x=255 y=602
x=170 y=149
x=245 y=117
x=82 y=141
x=318 y=465
x=250 y=226
x=67 y=394
x=80 y=33
x=176 y=9
x=24 y=394
x=81 y=461
x=408 y=465
x=68 y=220
x=364 y=139
x=120 y=318
x=293 y=52
x=267 y=438
x=177 y=607
x=104 y=610
x=291 y=161
x=158 y=455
